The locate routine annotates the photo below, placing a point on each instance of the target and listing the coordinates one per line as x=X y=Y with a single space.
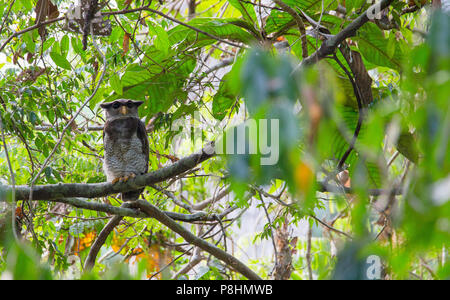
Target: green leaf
x=97 y=98
x=407 y=146
x=222 y=28
x=374 y=47
x=351 y=4
x=228 y=91
x=115 y=83
x=135 y=74
x=161 y=41
x=28 y=5
x=48 y=43
x=48 y=172
x=374 y=174
x=33 y=118
x=136 y=92
x=29 y=43
x=246 y=9
x=64 y=45
x=391 y=45
x=60 y=61
x=221 y=104
x=76 y=45
x=312 y=6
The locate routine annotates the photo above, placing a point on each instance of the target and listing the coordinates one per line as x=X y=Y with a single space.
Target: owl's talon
x=126 y=178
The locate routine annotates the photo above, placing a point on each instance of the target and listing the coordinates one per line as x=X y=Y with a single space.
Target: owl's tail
x=132 y=195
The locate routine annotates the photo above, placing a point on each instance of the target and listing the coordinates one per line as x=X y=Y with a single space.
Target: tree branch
x=146 y=8
x=17 y=33
x=94 y=190
x=233 y=262
x=100 y=240
x=300 y=24
x=330 y=45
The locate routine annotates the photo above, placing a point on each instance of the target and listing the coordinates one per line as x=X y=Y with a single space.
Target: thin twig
x=7 y=15
x=358 y=96
x=17 y=33
x=300 y=24
x=146 y=8
x=331 y=227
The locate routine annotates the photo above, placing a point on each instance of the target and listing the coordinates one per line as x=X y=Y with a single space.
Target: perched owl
x=126 y=143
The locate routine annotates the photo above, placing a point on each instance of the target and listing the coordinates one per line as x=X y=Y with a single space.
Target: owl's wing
x=142 y=136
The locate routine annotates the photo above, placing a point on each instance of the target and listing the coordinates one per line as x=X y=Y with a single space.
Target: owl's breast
x=123 y=150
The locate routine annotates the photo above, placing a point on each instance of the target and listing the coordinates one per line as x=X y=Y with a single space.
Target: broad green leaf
x=277 y=20
x=221 y=103
x=222 y=28
x=135 y=74
x=136 y=92
x=60 y=61
x=64 y=45
x=28 y=5
x=97 y=98
x=391 y=45
x=164 y=91
x=312 y=6
x=351 y=4
x=76 y=45
x=48 y=43
x=228 y=91
x=29 y=43
x=407 y=146
x=161 y=41
x=116 y=84
x=247 y=10
x=374 y=47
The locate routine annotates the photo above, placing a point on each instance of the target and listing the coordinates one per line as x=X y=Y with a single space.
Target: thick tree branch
x=94 y=190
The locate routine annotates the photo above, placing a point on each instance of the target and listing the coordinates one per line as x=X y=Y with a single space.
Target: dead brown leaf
x=126 y=43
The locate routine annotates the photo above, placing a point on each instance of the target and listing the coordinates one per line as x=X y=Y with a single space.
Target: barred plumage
x=125 y=143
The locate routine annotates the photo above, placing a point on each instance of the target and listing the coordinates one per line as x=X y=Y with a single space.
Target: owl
x=126 y=148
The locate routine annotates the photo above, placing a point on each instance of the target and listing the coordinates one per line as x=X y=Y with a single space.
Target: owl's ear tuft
x=138 y=103
x=105 y=105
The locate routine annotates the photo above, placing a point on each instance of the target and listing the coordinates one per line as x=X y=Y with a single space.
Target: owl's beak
x=123 y=110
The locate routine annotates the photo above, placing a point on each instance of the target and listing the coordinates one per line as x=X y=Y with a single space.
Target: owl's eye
x=130 y=104
x=116 y=105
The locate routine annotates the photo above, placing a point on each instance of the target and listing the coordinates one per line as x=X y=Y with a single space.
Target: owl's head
x=121 y=108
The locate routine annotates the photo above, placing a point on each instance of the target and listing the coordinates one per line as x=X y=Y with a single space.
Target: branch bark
x=94 y=190
x=100 y=240
x=233 y=262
